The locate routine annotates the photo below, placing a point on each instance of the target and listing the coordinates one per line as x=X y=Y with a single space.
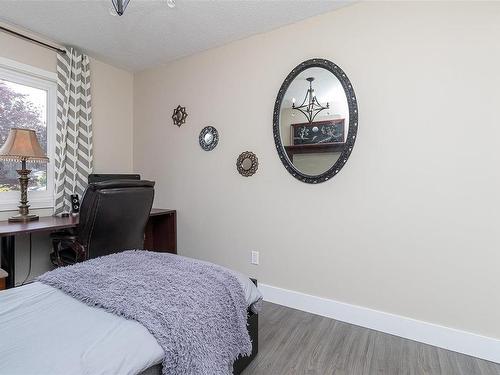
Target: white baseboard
x=448 y=338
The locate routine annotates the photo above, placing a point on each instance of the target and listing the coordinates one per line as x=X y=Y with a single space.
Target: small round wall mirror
x=209 y=137
x=315 y=121
x=247 y=163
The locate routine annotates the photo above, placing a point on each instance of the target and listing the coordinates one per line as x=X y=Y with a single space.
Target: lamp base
x=23 y=218
x=24 y=213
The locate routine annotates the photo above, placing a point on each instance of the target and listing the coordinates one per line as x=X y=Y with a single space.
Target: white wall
x=410 y=224
x=112 y=125
x=112 y=106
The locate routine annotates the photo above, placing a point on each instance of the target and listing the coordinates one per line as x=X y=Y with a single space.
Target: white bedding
x=44 y=331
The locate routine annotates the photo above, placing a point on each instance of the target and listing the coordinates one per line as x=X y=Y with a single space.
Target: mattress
x=44 y=331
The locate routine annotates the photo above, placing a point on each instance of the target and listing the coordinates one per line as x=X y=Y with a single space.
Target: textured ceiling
x=150 y=33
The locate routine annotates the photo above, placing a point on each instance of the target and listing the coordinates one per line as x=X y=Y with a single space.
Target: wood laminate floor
x=298 y=343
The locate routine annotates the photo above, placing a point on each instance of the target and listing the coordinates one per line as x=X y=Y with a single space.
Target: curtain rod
x=59 y=50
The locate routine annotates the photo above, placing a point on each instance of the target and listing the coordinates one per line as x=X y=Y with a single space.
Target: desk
x=160 y=235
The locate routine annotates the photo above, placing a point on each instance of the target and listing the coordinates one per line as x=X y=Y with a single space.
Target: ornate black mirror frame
x=215 y=138
x=353 y=120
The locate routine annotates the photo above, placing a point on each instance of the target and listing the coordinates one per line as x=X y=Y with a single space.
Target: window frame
x=28 y=75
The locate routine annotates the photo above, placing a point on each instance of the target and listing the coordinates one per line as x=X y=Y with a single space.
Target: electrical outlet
x=255 y=257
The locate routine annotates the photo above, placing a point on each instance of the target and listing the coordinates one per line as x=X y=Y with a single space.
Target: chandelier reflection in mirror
x=310 y=107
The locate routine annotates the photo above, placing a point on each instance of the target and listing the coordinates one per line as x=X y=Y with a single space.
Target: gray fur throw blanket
x=196 y=310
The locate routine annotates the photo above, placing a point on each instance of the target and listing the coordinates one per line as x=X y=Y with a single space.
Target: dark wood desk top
x=53 y=223
x=161 y=211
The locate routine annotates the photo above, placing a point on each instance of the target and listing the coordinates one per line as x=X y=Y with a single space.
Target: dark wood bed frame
x=253 y=330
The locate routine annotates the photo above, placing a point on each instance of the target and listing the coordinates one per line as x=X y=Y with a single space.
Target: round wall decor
x=209 y=137
x=179 y=115
x=247 y=163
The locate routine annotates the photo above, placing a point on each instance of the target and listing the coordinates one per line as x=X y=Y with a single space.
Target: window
x=27 y=100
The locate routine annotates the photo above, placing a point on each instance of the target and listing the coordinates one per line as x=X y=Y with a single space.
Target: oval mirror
x=246 y=164
x=209 y=138
x=315 y=120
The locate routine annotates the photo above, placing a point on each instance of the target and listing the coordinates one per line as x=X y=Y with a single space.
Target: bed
x=44 y=330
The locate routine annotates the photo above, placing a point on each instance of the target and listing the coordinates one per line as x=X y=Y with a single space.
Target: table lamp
x=22 y=145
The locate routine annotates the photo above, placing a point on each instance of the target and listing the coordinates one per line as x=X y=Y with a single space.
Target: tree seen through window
x=22 y=106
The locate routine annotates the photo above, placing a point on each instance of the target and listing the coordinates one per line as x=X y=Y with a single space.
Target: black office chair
x=113 y=216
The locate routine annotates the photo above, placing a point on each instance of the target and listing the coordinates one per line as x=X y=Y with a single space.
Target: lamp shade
x=22 y=144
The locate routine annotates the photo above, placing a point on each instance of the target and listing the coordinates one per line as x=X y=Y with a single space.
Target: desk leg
x=161 y=233
x=8 y=259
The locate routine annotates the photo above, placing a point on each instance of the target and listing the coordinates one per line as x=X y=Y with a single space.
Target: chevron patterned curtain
x=74 y=155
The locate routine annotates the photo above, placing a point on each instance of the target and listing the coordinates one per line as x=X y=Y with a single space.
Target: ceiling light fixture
x=120 y=6
x=310 y=107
